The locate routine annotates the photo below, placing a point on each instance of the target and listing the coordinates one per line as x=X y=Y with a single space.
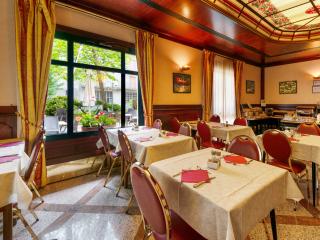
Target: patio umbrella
x=89 y=98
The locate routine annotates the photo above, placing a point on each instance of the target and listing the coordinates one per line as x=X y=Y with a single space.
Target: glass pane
x=131 y=62
x=131 y=99
x=55 y=121
x=96 y=56
x=97 y=99
x=59 y=50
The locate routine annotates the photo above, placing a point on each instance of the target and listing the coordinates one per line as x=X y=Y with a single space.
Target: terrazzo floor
x=81 y=208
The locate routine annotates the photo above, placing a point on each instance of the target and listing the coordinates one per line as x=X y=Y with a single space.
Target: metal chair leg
x=33 y=185
x=110 y=170
x=34 y=214
x=101 y=166
x=94 y=160
x=25 y=223
x=122 y=180
x=129 y=204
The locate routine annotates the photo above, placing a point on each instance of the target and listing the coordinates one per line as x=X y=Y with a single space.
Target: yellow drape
x=207 y=72
x=238 y=69
x=145 y=60
x=35 y=28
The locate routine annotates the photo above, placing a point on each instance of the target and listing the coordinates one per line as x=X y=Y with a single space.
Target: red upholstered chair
x=245 y=146
x=240 y=121
x=157 y=124
x=278 y=150
x=215 y=118
x=174 y=125
x=158 y=219
x=185 y=129
x=206 y=138
x=308 y=128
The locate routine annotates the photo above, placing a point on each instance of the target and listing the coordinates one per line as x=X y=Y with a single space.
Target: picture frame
x=250 y=86
x=316 y=89
x=181 y=83
x=288 y=87
x=316 y=82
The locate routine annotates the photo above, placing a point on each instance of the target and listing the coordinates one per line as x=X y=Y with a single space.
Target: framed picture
x=316 y=82
x=181 y=83
x=316 y=89
x=250 y=88
x=288 y=87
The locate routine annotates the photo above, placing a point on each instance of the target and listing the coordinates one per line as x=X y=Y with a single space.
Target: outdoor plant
x=61 y=102
x=104 y=120
x=89 y=120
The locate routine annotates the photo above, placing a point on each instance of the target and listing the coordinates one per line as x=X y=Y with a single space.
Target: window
x=87 y=79
x=224 y=101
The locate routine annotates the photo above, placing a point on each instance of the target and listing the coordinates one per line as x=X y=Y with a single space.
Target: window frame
x=72 y=38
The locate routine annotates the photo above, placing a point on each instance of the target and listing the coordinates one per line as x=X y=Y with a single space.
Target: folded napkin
x=11 y=144
x=235 y=159
x=291 y=139
x=146 y=128
x=5 y=159
x=194 y=176
x=171 y=134
x=144 y=139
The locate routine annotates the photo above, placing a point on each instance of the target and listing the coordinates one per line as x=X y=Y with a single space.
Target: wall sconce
x=185 y=68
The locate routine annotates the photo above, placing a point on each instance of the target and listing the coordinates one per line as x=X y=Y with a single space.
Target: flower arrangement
x=89 y=120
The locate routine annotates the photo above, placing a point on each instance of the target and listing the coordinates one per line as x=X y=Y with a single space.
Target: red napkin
x=194 y=176
x=235 y=159
x=5 y=159
x=171 y=134
x=144 y=139
x=291 y=139
x=11 y=144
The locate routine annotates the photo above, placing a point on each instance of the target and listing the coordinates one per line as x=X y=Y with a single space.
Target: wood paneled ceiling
x=205 y=24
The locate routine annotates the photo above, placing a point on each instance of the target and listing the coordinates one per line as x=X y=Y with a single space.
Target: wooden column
x=7 y=222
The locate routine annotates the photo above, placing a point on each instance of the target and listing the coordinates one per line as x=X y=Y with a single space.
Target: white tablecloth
x=12 y=187
x=307 y=148
x=220 y=131
x=155 y=150
x=231 y=204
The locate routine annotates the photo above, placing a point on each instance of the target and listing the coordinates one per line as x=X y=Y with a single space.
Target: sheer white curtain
x=223 y=99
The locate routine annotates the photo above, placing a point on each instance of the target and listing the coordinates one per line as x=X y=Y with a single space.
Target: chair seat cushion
x=180 y=230
x=115 y=154
x=297 y=166
x=214 y=144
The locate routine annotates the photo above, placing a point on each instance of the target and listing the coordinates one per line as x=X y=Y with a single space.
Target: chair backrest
x=151 y=201
x=126 y=149
x=215 y=118
x=240 y=121
x=185 y=129
x=308 y=128
x=105 y=139
x=277 y=145
x=157 y=124
x=174 y=125
x=245 y=146
x=204 y=131
x=34 y=157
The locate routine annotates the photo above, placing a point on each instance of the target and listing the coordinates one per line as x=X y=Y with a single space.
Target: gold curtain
x=238 y=70
x=145 y=60
x=35 y=28
x=207 y=72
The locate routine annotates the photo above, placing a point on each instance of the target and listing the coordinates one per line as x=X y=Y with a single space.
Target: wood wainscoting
x=65 y=150
x=8 y=122
x=182 y=112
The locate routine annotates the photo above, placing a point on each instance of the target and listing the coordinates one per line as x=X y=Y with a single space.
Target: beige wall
x=302 y=72
x=169 y=56
x=251 y=72
x=8 y=76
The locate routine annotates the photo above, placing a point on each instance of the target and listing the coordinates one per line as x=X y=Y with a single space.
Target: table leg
x=273 y=224
x=7 y=222
x=314 y=183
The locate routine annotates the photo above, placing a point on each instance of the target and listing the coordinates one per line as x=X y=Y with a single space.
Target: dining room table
x=238 y=196
x=226 y=132
x=150 y=145
x=305 y=148
x=14 y=191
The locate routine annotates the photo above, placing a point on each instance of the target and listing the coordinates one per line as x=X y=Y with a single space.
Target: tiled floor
x=81 y=208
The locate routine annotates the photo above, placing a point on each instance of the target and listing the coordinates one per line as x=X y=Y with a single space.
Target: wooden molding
x=8 y=122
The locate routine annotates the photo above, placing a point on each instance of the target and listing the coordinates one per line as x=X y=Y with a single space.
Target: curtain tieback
x=39 y=126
